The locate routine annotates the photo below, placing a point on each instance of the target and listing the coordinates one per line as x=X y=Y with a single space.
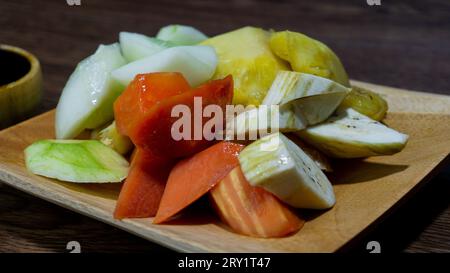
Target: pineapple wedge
x=353 y=135
x=308 y=55
x=245 y=54
x=279 y=166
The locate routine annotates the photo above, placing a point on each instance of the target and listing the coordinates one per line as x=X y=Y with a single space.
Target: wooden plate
x=365 y=190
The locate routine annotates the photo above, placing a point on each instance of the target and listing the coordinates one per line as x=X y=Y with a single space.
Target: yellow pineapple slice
x=308 y=56
x=245 y=54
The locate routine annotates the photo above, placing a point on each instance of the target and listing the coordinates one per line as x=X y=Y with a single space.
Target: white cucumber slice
x=137 y=46
x=353 y=135
x=289 y=85
x=80 y=161
x=196 y=63
x=181 y=35
x=279 y=166
x=87 y=99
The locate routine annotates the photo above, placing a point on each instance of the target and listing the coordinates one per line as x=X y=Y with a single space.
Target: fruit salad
x=249 y=119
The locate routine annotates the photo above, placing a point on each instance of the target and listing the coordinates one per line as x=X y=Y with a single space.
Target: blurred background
x=402 y=44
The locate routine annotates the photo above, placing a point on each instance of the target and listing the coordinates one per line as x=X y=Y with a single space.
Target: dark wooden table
x=400 y=43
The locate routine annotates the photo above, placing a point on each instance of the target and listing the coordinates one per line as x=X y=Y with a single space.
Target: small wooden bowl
x=20 y=84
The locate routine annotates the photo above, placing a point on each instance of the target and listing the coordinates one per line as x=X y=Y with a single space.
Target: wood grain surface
x=401 y=44
x=365 y=189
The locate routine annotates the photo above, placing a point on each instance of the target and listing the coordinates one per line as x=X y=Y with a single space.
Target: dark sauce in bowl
x=13 y=66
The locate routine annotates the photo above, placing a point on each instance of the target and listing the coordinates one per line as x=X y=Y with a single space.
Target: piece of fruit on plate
x=289 y=117
x=144 y=186
x=137 y=46
x=278 y=165
x=195 y=176
x=196 y=63
x=290 y=85
x=250 y=210
x=142 y=94
x=81 y=161
x=353 y=135
x=317 y=156
x=157 y=109
x=365 y=102
x=112 y=138
x=303 y=100
x=86 y=100
x=181 y=35
x=308 y=55
x=245 y=54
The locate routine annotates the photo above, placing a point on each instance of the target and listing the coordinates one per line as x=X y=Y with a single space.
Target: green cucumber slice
x=80 y=161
